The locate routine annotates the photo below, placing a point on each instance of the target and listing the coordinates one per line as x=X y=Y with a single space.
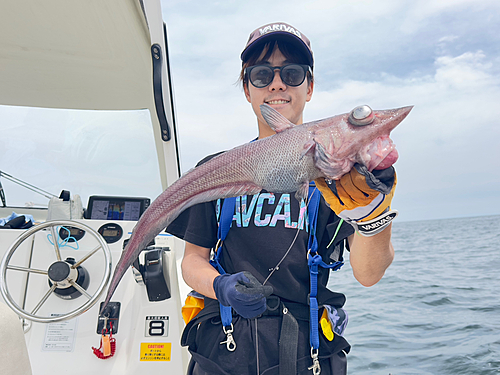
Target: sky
x=443 y=57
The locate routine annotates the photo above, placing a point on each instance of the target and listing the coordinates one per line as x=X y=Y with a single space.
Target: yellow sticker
x=156 y=351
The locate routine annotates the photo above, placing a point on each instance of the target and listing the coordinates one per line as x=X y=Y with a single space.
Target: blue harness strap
x=312 y=209
x=314 y=259
x=226 y=217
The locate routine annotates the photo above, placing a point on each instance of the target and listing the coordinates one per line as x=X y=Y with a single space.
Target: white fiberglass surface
x=85 y=152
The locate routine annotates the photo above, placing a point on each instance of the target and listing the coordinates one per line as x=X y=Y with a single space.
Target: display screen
x=115 y=210
x=110 y=233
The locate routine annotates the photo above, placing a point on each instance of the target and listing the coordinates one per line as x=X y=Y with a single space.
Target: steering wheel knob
x=59 y=271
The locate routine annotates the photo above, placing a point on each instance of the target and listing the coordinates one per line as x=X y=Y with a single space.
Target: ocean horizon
x=436 y=311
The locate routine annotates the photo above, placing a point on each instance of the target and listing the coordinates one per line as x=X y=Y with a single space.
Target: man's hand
x=362 y=198
x=243 y=292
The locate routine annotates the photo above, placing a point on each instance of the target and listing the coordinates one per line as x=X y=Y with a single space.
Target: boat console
x=94 y=79
x=61 y=316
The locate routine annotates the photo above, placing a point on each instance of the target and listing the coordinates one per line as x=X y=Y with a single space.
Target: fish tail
x=196 y=186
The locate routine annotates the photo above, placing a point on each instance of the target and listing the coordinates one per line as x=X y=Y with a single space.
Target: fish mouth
x=379 y=154
x=388 y=161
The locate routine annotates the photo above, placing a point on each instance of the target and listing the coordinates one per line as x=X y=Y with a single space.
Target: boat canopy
x=91 y=55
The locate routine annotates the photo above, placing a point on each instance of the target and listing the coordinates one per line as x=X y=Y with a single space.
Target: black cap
x=275 y=31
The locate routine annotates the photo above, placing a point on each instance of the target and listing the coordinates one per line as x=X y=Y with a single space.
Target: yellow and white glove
x=362 y=198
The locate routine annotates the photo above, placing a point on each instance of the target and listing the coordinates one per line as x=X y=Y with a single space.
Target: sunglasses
x=291 y=74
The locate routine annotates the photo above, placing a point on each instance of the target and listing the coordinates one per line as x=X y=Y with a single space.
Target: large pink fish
x=283 y=163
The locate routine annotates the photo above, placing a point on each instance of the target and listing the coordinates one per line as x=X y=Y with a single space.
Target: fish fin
x=274 y=119
x=303 y=191
x=308 y=148
x=325 y=161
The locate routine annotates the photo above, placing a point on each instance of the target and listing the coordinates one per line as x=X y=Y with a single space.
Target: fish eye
x=361 y=115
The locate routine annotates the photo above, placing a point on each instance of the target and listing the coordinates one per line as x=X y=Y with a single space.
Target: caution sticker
x=156 y=351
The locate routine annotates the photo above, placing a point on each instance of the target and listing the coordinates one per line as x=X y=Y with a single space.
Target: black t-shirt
x=263 y=228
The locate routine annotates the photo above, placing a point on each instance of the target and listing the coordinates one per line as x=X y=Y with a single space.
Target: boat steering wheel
x=60 y=274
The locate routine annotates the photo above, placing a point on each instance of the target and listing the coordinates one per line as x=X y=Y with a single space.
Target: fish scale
x=283 y=163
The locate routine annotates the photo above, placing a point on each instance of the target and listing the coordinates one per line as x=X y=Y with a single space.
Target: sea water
x=436 y=310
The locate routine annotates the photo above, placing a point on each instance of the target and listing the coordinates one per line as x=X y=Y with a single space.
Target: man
x=262 y=268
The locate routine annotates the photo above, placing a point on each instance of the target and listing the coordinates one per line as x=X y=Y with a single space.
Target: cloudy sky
x=443 y=57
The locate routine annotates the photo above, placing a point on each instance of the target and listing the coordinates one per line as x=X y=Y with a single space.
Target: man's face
x=287 y=100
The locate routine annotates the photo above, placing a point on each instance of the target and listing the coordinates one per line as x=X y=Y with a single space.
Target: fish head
x=361 y=136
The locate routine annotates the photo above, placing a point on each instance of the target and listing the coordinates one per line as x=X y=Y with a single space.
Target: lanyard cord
x=282 y=259
x=257 y=346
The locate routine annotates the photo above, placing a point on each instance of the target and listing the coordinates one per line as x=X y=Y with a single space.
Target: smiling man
x=265 y=309
x=267 y=86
